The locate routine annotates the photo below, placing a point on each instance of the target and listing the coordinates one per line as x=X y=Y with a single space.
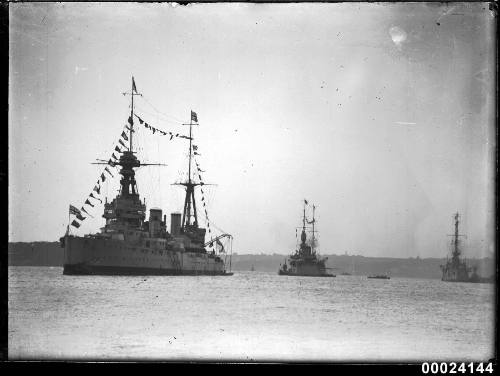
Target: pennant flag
x=95 y=198
x=74 y=211
x=171 y=136
x=75 y=224
x=133 y=85
x=195 y=147
x=124 y=135
x=163 y=133
x=305 y=202
x=113 y=156
x=83 y=209
x=194 y=117
x=103 y=178
x=140 y=120
x=220 y=245
x=202 y=198
x=111 y=163
x=118 y=149
x=203 y=203
x=122 y=143
x=97 y=189
x=79 y=216
x=109 y=172
x=130 y=120
x=196 y=153
x=201 y=183
x=154 y=129
x=199 y=176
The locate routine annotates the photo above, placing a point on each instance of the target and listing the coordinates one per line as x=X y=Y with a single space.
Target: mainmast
x=313 y=238
x=189 y=199
x=303 y=235
x=456 y=250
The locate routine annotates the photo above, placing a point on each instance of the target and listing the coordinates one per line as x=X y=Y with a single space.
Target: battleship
x=305 y=261
x=456 y=269
x=130 y=245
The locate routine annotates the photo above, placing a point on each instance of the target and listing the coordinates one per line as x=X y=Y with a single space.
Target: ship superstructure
x=305 y=261
x=128 y=244
x=456 y=269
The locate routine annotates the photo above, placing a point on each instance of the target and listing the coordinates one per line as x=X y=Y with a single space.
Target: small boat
x=379 y=276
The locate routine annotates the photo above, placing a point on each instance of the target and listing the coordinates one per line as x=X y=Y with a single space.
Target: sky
x=381 y=115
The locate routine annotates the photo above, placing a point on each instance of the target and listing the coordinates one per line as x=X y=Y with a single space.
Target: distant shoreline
x=51 y=254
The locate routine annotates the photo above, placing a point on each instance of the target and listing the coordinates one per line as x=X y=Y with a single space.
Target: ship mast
x=313 y=238
x=131 y=122
x=456 y=250
x=189 y=199
x=303 y=235
x=128 y=160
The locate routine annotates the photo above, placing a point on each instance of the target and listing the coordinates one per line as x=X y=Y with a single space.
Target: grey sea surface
x=250 y=316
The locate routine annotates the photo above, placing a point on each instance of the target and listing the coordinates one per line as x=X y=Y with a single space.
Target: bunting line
x=195 y=147
x=112 y=162
x=155 y=129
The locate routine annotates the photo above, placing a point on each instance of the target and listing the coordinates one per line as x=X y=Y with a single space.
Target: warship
x=130 y=245
x=456 y=269
x=305 y=261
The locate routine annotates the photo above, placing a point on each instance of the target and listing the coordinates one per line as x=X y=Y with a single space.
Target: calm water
x=249 y=316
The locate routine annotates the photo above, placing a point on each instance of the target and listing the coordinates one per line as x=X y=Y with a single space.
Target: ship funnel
x=175 y=223
x=154 y=222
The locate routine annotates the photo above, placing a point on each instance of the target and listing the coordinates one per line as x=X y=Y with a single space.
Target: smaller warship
x=305 y=261
x=456 y=269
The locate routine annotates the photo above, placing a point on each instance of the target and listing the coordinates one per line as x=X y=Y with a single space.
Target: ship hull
x=100 y=256
x=470 y=280
x=281 y=272
x=127 y=270
x=305 y=268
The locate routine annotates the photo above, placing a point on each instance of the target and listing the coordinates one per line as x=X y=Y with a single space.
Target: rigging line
x=161 y=118
x=173 y=117
x=218 y=228
x=142 y=109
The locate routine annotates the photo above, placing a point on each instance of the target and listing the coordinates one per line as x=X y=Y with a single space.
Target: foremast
x=127 y=210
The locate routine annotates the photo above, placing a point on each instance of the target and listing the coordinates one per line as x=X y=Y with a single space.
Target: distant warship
x=129 y=245
x=456 y=269
x=305 y=261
